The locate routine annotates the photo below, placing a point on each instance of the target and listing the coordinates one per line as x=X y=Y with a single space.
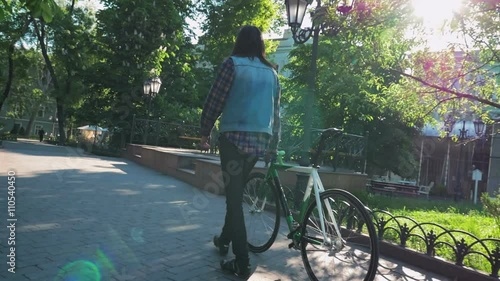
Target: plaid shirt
x=253 y=143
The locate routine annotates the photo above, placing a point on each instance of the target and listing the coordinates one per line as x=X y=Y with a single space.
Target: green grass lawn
x=463 y=215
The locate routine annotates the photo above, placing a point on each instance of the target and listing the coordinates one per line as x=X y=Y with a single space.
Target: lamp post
x=479 y=127
x=296 y=10
x=462 y=135
x=151 y=88
x=449 y=122
x=147 y=90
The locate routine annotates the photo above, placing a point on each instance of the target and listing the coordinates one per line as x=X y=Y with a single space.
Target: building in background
x=11 y=120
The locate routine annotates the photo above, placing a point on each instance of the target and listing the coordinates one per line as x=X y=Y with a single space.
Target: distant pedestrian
x=246 y=93
x=41 y=134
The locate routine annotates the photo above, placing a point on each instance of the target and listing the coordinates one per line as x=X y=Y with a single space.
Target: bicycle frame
x=313 y=183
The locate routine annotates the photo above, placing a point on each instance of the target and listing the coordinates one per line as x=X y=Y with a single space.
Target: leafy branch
x=449 y=91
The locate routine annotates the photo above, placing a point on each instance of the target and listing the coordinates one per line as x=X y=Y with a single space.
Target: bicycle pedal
x=292 y=245
x=292 y=234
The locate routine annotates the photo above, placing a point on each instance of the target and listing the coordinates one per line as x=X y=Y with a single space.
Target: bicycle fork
x=315 y=182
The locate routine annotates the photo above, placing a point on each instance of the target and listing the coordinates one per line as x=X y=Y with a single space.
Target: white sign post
x=477 y=175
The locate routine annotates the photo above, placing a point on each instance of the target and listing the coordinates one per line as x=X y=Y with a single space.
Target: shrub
x=8 y=136
x=14 y=130
x=439 y=190
x=101 y=151
x=492 y=206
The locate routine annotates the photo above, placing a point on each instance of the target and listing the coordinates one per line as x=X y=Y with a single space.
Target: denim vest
x=250 y=104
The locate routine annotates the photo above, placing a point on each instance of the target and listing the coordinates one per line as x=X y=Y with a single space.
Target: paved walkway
x=83 y=217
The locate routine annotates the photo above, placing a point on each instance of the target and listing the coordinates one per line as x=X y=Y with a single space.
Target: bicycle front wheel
x=262 y=213
x=351 y=254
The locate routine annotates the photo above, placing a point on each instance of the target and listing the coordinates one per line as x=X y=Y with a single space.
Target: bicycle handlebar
x=325 y=134
x=279 y=157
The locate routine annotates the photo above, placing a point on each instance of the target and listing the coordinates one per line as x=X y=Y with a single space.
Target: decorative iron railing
x=461 y=247
x=160 y=133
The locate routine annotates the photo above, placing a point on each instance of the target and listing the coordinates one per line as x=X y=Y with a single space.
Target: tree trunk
x=40 y=33
x=10 y=52
x=33 y=113
x=60 y=116
x=10 y=77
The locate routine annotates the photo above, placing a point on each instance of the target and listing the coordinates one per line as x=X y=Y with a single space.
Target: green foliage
x=102 y=151
x=8 y=136
x=5 y=9
x=451 y=215
x=31 y=88
x=43 y=9
x=225 y=18
x=462 y=78
x=223 y=21
x=135 y=41
x=351 y=83
x=410 y=204
x=439 y=190
x=492 y=206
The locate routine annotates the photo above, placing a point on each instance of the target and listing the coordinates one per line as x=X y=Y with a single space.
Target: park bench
x=426 y=189
x=392 y=188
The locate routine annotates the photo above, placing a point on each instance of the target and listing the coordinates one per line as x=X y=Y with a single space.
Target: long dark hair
x=249 y=43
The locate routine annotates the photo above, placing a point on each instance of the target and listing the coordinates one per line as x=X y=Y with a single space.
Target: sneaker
x=223 y=248
x=233 y=268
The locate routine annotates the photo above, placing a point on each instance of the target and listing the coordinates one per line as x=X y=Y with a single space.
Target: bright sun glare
x=435 y=12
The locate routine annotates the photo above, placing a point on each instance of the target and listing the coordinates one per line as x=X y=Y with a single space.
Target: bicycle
x=337 y=238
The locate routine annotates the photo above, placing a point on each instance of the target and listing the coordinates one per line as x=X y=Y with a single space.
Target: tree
x=464 y=77
x=137 y=40
x=32 y=86
x=352 y=72
x=42 y=13
x=73 y=52
x=14 y=22
x=225 y=18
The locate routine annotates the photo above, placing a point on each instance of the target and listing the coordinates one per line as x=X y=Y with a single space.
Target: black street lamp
x=151 y=88
x=449 y=123
x=479 y=127
x=296 y=10
x=462 y=135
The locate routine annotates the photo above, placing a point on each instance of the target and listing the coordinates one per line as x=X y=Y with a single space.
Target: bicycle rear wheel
x=352 y=255
x=262 y=213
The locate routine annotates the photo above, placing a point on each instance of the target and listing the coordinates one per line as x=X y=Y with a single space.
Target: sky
x=434 y=14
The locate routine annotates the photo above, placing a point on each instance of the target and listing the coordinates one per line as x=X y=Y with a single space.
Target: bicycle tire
x=262 y=213
x=358 y=239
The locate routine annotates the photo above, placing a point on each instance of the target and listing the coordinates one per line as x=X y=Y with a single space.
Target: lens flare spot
x=104 y=262
x=80 y=270
x=136 y=234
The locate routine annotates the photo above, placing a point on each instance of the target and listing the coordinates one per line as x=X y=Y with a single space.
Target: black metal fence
x=461 y=247
x=166 y=134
